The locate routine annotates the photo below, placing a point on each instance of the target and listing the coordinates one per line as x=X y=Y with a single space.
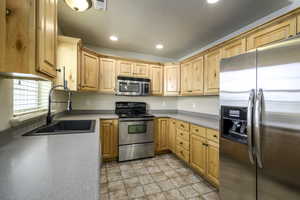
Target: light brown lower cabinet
x=198 y=154
x=172 y=135
x=213 y=162
x=109 y=139
x=161 y=134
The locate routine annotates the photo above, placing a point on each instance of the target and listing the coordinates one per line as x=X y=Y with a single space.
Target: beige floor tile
x=141 y=171
x=158 y=196
x=160 y=176
x=136 y=192
x=115 y=186
x=166 y=185
x=125 y=166
x=103 y=188
x=165 y=168
x=149 y=163
x=173 y=195
x=211 y=196
x=111 y=177
x=193 y=178
x=146 y=179
x=103 y=179
x=152 y=188
x=118 y=195
x=153 y=170
x=202 y=187
x=128 y=174
x=184 y=171
x=171 y=173
x=188 y=192
x=179 y=182
x=138 y=166
x=113 y=169
x=104 y=196
x=132 y=182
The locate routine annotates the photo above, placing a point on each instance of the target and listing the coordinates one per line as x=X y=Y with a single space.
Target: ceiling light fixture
x=159 y=46
x=113 y=38
x=212 y=1
x=79 y=5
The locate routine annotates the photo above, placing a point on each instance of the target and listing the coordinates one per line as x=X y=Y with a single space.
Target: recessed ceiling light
x=159 y=46
x=212 y=1
x=113 y=38
x=79 y=5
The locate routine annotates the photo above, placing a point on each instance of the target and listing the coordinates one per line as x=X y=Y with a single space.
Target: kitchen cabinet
x=68 y=59
x=2 y=32
x=272 y=33
x=192 y=77
x=183 y=140
x=47 y=37
x=298 y=24
x=125 y=68
x=171 y=80
x=141 y=70
x=107 y=75
x=198 y=151
x=156 y=76
x=172 y=135
x=161 y=136
x=234 y=48
x=212 y=72
x=109 y=139
x=213 y=162
x=89 y=72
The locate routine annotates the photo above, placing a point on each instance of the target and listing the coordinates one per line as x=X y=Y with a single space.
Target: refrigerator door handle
x=249 y=124
x=257 y=127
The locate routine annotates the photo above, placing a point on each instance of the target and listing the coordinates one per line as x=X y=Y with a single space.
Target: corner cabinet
x=156 y=77
x=171 y=80
x=212 y=72
x=47 y=37
x=162 y=128
x=107 y=75
x=109 y=139
x=89 y=72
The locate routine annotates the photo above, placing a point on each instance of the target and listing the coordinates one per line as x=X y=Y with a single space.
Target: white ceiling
x=183 y=26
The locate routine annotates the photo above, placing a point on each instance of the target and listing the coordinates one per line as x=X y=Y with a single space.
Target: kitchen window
x=30 y=96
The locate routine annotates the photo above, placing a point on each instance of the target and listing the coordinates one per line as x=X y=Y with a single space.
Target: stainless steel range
x=136 y=131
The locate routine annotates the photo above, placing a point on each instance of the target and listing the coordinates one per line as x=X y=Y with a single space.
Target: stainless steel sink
x=65 y=127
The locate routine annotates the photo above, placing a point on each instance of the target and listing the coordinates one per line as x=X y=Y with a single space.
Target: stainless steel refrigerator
x=260 y=124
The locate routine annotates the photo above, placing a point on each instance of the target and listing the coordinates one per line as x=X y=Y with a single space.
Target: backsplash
x=208 y=105
x=94 y=101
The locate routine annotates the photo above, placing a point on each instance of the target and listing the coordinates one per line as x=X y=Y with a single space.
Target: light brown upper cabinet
x=141 y=70
x=124 y=68
x=89 y=72
x=298 y=24
x=68 y=59
x=156 y=76
x=192 y=77
x=234 y=48
x=212 y=72
x=47 y=36
x=2 y=32
x=272 y=33
x=171 y=80
x=107 y=75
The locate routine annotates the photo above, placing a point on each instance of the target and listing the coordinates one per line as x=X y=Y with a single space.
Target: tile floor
x=163 y=177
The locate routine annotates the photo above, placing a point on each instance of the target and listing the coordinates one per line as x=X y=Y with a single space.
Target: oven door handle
x=134 y=120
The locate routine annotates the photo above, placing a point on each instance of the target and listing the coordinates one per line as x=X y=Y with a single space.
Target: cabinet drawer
x=183 y=126
x=182 y=153
x=198 y=131
x=183 y=135
x=213 y=135
x=182 y=143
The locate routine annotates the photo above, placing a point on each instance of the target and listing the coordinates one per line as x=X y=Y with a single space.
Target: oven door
x=133 y=131
x=129 y=88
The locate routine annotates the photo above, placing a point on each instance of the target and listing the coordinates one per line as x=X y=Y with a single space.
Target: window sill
x=18 y=120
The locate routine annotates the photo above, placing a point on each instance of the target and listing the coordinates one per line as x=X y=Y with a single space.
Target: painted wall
x=94 y=101
x=209 y=105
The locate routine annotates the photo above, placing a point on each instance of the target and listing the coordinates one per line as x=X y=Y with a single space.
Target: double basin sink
x=65 y=127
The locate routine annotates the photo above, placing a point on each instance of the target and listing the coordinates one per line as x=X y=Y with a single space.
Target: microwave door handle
x=257 y=127
x=249 y=125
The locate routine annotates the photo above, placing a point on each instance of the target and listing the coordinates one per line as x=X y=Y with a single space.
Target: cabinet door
x=89 y=71
x=172 y=135
x=156 y=76
x=107 y=75
x=2 y=32
x=125 y=68
x=141 y=70
x=162 y=134
x=196 y=75
x=234 y=48
x=298 y=24
x=109 y=138
x=212 y=72
x=171 y=80
x=198 y=153
x=186 y=78
x=47 y=37
x=272 y=33
x=213 y=162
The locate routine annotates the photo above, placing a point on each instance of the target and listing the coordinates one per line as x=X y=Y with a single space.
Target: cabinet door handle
x=215 y=136
x=8 y=12
x=196 y=130
x=181 y=143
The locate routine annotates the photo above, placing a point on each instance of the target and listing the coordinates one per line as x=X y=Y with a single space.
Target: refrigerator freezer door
x=237 y=173
x=278 y=77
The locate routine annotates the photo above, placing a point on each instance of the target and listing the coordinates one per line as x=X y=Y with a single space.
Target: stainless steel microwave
x=129 y=86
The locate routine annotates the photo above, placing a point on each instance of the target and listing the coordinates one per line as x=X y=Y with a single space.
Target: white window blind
x=30 y=96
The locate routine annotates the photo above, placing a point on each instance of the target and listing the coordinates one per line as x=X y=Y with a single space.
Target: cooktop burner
x=132 y=110
x=135 y=115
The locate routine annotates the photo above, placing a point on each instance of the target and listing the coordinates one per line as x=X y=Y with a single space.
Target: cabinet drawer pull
x=181 y=143
x=215 y=136
x=181 y=152
x=182 y=125
x=181 y=134
x=196 y=130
